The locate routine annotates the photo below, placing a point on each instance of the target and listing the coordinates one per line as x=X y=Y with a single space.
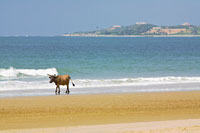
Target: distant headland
x=143 y=29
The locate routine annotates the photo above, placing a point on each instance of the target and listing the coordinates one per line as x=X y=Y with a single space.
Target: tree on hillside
x=195 y=31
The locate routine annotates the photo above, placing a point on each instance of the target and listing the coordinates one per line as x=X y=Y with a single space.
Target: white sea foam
x=135 y=81
x=24 y=85
x=43 y=83
x=12 y=72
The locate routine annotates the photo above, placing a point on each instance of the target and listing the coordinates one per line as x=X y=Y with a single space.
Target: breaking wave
x=13 y=72
x=135 y=81
x=10 y=79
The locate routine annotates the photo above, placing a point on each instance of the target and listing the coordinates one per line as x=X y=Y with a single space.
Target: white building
x=186 y=24
x=140 y=23
x=115 y=27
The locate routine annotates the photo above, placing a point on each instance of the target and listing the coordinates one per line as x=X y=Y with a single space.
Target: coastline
x=92 y=35
x=151 y=88
x=96 y=109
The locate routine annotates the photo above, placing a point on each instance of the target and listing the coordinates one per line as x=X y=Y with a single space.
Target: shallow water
x=99 y=62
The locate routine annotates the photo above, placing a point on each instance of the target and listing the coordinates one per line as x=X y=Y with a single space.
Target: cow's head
x=52 y=78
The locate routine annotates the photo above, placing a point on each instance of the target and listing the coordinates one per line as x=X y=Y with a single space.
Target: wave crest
x=135 y=81
x=13 y=72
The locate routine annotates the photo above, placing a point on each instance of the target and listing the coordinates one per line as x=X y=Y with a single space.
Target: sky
x=56 y=17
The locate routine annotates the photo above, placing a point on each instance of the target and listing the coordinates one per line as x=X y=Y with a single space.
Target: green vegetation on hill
x=126 y=30
x=146 y=29
x=178 y=27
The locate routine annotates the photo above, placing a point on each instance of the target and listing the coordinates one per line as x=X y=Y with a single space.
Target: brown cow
x=60 y=80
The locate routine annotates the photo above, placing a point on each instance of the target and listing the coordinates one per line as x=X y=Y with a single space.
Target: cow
x=60 y=80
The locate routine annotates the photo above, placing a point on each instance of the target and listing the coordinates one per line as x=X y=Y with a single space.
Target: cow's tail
x=72 y=81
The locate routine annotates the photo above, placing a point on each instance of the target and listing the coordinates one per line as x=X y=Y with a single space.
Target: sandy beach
x=73 y=112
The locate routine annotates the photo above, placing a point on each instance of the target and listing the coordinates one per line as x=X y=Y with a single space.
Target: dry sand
x=170 y=126
x=68 y=111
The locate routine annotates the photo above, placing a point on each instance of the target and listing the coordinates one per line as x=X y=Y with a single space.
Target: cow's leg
x=59 y=90
x=67 y=91
x=56 y=89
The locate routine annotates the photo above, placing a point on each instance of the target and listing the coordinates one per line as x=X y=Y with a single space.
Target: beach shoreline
x=151 y=88
x=97 y=109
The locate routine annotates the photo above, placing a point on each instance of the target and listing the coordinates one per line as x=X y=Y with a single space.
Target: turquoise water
x=98 y=61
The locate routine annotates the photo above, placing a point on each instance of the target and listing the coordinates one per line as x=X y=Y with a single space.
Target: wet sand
x=24 y=113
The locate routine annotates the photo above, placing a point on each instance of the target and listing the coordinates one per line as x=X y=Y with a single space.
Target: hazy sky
x=56 y=17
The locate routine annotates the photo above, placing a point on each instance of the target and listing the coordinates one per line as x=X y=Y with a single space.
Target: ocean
x=99 y=64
